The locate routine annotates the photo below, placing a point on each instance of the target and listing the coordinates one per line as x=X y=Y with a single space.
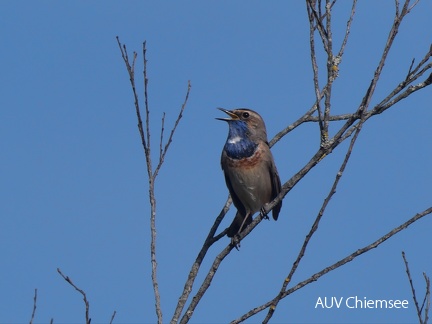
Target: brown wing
x=276 y=189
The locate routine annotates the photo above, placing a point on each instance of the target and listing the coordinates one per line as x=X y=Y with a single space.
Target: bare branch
x=112 y=317
x=305 y=118
x=206 y=283
x=426 y=299
x=330 y=74
x=87 y=305
x=421 y=63
x=170 y=138
x=347 y=30
x=413 y=5
x=131 y=71
x=316 y=22
x=410 y=70
x=147 y=109
x=321 y=16
x=343 y=134
x=146 y=141
x=412 y=288
x=287 y=186
x=392 y=34
x=336 y=265
x=34 y=307
x=161 y=136
x=353 y=124
x=200 y=257
x=318 y=18
x=312 y=18
x=379 y=108
x=315 y=224
x=331 y=118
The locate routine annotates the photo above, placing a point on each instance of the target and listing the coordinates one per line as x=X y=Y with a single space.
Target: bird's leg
x=263 y=213
x=242 y=224
x=235 y=239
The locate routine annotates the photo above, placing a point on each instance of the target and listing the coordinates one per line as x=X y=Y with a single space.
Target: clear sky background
x=74 y=191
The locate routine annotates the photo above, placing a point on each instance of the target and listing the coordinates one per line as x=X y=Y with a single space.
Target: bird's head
x=245 y=124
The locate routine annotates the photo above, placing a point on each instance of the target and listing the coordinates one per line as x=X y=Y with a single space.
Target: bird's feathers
x=250 y=172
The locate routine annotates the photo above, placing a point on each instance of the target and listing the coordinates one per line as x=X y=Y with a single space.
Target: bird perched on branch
x=250 y=172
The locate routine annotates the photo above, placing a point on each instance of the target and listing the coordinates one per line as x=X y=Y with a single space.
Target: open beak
x=229 y=113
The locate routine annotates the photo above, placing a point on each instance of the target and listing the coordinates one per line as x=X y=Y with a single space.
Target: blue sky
x=73 y=188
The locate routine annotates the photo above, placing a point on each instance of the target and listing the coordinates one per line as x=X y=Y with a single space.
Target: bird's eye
x=245 y=115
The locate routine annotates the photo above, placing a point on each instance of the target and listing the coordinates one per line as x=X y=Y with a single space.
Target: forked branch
x=145 y=135
x=86 y=302
x=426 y=299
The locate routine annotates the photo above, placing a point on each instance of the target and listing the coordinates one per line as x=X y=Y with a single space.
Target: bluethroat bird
x=250 y=172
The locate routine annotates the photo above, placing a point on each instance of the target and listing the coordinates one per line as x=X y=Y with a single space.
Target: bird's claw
x=264 y=214
x=235 y=242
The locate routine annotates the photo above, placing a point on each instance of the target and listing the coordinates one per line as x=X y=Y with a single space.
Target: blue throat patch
x=238 y=144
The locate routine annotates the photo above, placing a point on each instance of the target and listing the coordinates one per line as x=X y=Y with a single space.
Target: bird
x=249 y=168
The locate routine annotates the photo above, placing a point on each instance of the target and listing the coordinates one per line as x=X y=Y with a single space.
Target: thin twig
x=86 y=302
x=412 y=288
x=321 y=15
x=112 y=317
x=426 y=299
x=330 y=73
x=305 y=118
x=131 y=73
x=362 y=109
x=386 y=103
x=413 y=74
x=391 y=37
x=313 y=16
x=423 y=61
x=34 y=307
x=331 y=118
x=410 y=70
x=161 y=136
x=413 y=5
x=347 y=30
x=170 y=138
x=410 y=90
x=410 y=78
x=146 y=103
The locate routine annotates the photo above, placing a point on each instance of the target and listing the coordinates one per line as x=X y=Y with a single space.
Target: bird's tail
x=237 y=222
